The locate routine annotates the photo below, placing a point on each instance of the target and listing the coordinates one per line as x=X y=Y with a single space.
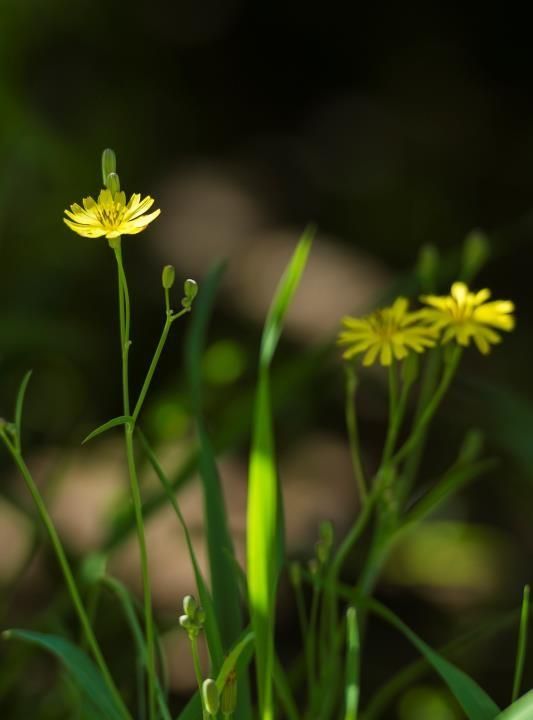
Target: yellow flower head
x=110 y=215
x=390 y=333
x=466 y=316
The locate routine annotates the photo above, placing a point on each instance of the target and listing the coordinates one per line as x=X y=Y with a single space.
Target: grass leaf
x=211 y=628
x=522 y=709
x=352 y=665
x=115 y=422
x=81 y=668
x=472 y=698
x=522 y=644
x=264 y=546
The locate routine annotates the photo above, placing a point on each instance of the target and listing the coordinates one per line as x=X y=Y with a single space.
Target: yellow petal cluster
x=386 y=334
x=110 y=215
x=464 y=316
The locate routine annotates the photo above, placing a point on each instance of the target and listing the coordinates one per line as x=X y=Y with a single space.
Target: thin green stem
x=124 y=309
x=197 y=669
x=170 y=318
x=353 y=433
x=67 y=573
x=397 y=410
x=304 y=629
x=313 y=616
x=431 y=408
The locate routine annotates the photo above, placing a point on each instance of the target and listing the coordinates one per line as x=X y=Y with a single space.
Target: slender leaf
x=115 y=422
x=264 y=530
x=211 y=628
x=472 y=698
x=19 y=405
x=224 y=580
x=522 y=645
x=284 y=693
x=522 y=709
x=82 y=670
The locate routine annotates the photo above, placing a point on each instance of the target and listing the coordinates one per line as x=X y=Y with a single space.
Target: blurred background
x=387 y=128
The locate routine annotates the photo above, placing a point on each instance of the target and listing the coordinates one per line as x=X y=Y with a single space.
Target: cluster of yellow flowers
x=392 y=332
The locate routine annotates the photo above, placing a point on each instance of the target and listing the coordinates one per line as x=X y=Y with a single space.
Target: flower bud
x=190 y=289
x=228 y=700
x=187 y=623
x=109 y=164
x=168 y=276
x=326 y=533
x=190 y=606
x=113 y=183
x=210 y=696
x=295 y=574
x=476 y=251
x=428 y=265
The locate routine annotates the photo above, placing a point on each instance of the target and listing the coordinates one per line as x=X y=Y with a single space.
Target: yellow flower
x=466 y=316
x=390 y=333
x=110 y=215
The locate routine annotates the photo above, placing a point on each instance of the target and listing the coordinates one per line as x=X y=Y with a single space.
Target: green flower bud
x=210 y=696
x=168 y=276
x=190 y=606
x=228 y=700
x=326 y=533
x=295 y=574
x=476 y=251
x=428 y=266
x=187 y=623
x=109 y=164
x=113 y=183
x=190 y=289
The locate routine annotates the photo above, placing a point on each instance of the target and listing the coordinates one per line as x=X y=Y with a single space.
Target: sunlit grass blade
x=472 y=698
x=352 y=665
x=82 y=670
x=263 y=515
x=522 y=645
x=126 y=603
x=19 y=405
x=114 y=422
x=214 y=642
x=522 y=709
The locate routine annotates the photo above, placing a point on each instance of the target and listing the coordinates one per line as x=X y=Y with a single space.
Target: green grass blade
x=224 y=583
x=263 y=514
x=522 y=709
x=83 y=671
x=126 y=603
x=352 y=665
x=522 y=645
x=224 y=579
x=472 y=698
x=214 y=642
x=284 y=693
x=19 y=405
x=114 y=422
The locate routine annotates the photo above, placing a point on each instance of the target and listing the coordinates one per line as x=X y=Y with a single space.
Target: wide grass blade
x=522 y=645
x=352 y=665
x=264 y=533
x=81 y=668
x=522 y=709
x=472 y=698
x=214 y=642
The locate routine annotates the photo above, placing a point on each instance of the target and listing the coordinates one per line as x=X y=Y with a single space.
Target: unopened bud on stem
x=109 y=164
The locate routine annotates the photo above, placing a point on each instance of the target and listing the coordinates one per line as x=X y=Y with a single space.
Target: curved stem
x=67 y=574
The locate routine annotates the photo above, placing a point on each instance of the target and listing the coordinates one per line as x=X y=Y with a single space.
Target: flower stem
x=197 y=668
x=67 y=573
x=124 y=309
x=353 y=434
